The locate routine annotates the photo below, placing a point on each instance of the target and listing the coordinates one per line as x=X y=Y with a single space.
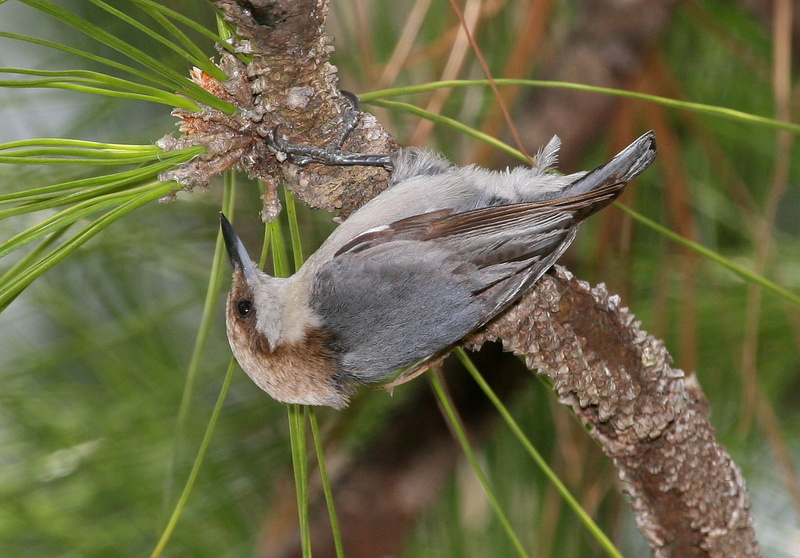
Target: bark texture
x=687 y=494
x=289 y=86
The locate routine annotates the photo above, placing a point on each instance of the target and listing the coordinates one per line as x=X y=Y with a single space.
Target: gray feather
x=372 y=301
x=424 y=182
x=413 y=161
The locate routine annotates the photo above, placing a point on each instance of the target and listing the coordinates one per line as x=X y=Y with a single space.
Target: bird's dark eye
x=244 y=307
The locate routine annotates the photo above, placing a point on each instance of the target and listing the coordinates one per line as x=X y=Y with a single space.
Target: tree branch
x=688 y=496
x=290 y=85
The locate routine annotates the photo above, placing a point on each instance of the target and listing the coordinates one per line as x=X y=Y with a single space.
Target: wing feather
x=486 y=221
x=439 y=275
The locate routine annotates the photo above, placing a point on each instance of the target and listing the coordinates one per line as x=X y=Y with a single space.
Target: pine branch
x=687 y=494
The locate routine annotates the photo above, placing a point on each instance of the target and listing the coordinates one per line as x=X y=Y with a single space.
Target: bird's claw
x=331 y=155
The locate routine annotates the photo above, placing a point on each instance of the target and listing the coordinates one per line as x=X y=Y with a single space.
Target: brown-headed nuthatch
x=434 y=257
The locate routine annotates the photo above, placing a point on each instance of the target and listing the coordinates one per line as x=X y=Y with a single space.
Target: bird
x=438 y=254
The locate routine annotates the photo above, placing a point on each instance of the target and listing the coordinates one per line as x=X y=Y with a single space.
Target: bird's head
x=275 y=336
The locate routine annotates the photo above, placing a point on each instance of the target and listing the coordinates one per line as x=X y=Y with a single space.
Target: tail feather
x=627 y=164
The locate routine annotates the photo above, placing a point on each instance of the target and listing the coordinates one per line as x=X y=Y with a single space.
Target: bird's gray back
x=393 y=304
x=423 y=181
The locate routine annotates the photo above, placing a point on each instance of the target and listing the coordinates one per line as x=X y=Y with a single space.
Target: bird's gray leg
x=332 y=154
x=352 y=115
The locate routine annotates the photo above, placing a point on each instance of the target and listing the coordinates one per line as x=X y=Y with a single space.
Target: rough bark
x=289 y=86
x=687 y=494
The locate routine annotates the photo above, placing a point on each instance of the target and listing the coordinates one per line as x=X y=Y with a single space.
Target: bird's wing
x=396 y=294
x=511 y=246
x=479 y=225
x=392 y=304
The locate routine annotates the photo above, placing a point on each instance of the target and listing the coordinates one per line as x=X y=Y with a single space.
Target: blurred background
x=94 y=355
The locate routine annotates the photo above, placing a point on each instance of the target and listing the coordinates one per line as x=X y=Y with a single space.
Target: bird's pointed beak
x=236 y=250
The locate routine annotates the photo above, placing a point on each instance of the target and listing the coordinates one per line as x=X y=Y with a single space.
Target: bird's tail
x=627 y=164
